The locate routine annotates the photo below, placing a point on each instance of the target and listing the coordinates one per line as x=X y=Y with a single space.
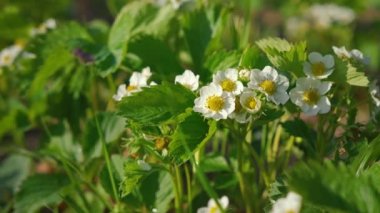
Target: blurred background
x=54 y=96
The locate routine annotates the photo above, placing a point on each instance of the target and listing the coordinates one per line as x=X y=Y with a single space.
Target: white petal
x=224 y=202
x=324 y=105
x=328 y=61
x=310 y=110
x=315 y=57
x=203 y=210
x=307 y=69
x=269 y=73
x=280 y=97
x=231 y=74
x=283 y=82
x=324 y=87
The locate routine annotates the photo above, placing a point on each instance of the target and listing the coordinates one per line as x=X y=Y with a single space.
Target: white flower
x=271 y=83
x=359 y=56
x=188 y=80
x=355 y=54
x=212 y=207
x=250 y=102
x=136 y=82
x=44 y=27
x=320 y=66
x=245 y=105
x=309 y=95
x=143 y=165
x=50 y=23
x=341 y=52
x=239 y=114
x=228 y=80
x=291 y=203
x=374 y=90
x=325 y=15
x=146 y=72
x=214 y=102
x=9 y=54
x=244 y=75
x=121 y=92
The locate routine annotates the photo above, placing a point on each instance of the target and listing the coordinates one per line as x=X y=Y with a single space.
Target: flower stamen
x=318 y=69
x=268 y=86
x=131 y=88
x=311 y=97
x=228 y=85
x=251 y=103
x=215 y=103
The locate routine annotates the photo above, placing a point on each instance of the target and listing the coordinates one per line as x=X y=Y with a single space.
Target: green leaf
x=156 y=104
x=252 y=57
x=221 y=60
x=130 y=16
x=111 y=125
x=133 y=175
x=165 y=192
x=367 y=155
x=40 y=190
x=214 y=163
x=268 y=115
x=190 y=134
x=13 y=170
x=299 y=128
x=136 y=17
x=284 y=55
x=117 y=163
x=157 y=55
x=197 y=31
x=355 y=77
x=335 y=188
x=57 y=60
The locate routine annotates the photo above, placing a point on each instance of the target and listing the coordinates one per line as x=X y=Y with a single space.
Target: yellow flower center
x=215 y=103
x=213 y=209
x=131 y=88
x=268 y=86
x=311 y=97
x=251 y=103
x=228 y=85
x=318 y=69
x=6 y=59
x=290 y=211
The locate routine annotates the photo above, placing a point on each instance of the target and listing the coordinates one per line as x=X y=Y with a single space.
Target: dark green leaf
x=190 y=134
x=198 y=33
x=40 y=190
x=157 y=55
x=157 y=104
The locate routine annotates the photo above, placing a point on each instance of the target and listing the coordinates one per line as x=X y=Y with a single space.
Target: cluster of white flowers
x=212 y=207
x=309 y=93
x=324 y=15
x=355 y=54
x=136 y=82
x=291 y=203
x=9 y=54
x=226 y=97
x=43 y=28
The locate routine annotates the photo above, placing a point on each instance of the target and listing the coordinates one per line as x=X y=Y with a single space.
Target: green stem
x=188 y=184
x=244 y=187
x=177 y=200
x=107 y=159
